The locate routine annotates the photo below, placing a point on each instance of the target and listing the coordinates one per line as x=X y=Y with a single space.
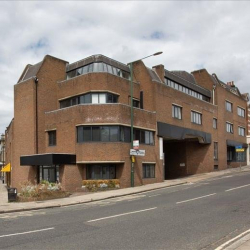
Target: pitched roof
x=184 y=75
x=31 y=70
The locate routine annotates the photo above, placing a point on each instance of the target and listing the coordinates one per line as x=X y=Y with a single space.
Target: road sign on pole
x=137 y=152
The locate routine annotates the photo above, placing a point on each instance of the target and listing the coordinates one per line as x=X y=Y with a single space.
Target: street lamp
x=132 y=110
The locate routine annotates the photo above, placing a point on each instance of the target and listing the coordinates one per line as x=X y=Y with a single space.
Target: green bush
x=98 y=185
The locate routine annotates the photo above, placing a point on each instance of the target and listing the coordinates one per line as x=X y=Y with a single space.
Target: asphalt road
x=203 y=215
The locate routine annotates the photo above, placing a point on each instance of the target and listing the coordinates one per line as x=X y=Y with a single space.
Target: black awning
x=236 y=143
x=47 y=159
x=175 y=132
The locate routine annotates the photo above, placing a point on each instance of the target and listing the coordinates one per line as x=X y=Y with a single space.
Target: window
x=241 y=131
x=214 y=123
x=230 y=153
x=177 y=112
x=196 y=117
x=229 y=106
x=52 y=138
x=215 y=150
x=49 y=173
x=136 y=103
x=229 y=127
x=95 y=98
x=144 y=137
x=112 y=134
x=101 y=171
x=241 y=111
x=241 y=156
x=98 y=67
x=234 y=156
x=148 y=170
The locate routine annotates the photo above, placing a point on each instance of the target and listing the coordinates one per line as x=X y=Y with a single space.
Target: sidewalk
x=6 y=207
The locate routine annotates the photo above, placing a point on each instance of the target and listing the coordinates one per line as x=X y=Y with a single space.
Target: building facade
x=2 y=154
x=73 y=122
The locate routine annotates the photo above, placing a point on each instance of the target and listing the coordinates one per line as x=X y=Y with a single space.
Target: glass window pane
x=95 y=98
x=105 y=172
x=109 y=69
x=102 y=98
x=96 y=134
x=96 y=172
x=79 y=71
x=112 y=172
x=100 y=67
x=105 y=69
x=86 y=134
x=114 y=130
x=95 y=67
x=104 y=133
x=90 y=69
x=85 y=69
x=79 y=134
x=147 y=137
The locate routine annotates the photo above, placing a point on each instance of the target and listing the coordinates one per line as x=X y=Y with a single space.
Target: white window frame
x=241 y=111
x=196 y=117
x=229 y=127
x=240 y=130
x=176 y=111
x=229 y=104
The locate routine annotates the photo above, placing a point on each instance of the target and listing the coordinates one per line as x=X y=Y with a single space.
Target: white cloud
x=192 y=34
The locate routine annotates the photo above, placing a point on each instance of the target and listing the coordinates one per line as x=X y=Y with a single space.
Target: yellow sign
x=6 y=168
x=132 y=159
x=239 y=149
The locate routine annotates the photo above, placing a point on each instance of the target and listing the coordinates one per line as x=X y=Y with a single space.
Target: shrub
x=41 y=191
x=98 y=185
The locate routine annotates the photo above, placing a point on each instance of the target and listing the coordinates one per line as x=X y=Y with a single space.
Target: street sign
x=238 y=147
x=137 y=152
x=136 y=144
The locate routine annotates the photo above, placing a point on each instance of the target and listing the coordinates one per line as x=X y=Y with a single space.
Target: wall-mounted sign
x=136 y=144
x=137 y=152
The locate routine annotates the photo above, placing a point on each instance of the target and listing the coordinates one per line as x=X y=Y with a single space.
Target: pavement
x=242 y=242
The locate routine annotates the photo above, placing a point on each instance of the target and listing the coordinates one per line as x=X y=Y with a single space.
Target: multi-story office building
x=248 y=134
x=2 y=154
x=73 y=121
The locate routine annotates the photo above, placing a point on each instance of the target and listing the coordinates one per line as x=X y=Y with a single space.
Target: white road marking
x=235 y=238
x=118 y=215
x=29 y=232
x=195 y=198
x=237 y=188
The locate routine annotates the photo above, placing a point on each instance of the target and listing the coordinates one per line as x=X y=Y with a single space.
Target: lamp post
x=132 y=110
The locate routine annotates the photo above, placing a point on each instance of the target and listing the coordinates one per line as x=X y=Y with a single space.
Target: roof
x=31 y=71
x=189 y=84
x=153 y=75
x=184 y=75
x=97 y=58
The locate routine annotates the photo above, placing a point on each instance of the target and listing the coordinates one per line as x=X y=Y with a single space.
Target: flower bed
x=42 y=191
x=100 y=185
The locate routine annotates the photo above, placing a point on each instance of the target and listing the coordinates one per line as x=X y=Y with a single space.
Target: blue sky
x=192 y=35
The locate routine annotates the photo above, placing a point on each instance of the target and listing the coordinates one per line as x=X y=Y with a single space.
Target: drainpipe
x=36 y=118
x=214 y=87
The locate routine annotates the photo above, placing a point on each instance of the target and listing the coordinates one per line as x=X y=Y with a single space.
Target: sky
x=191 y=34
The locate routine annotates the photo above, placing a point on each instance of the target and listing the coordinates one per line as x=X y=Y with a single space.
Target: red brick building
x=72 y=122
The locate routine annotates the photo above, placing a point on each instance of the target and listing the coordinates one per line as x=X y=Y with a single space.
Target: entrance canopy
x=47 y=159
x=6 y=168
x=166 y=130
x=236 y=143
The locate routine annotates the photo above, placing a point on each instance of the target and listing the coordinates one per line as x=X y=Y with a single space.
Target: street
x=203 y=215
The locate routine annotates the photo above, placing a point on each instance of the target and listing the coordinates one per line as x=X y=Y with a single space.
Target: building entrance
x=49 y=173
